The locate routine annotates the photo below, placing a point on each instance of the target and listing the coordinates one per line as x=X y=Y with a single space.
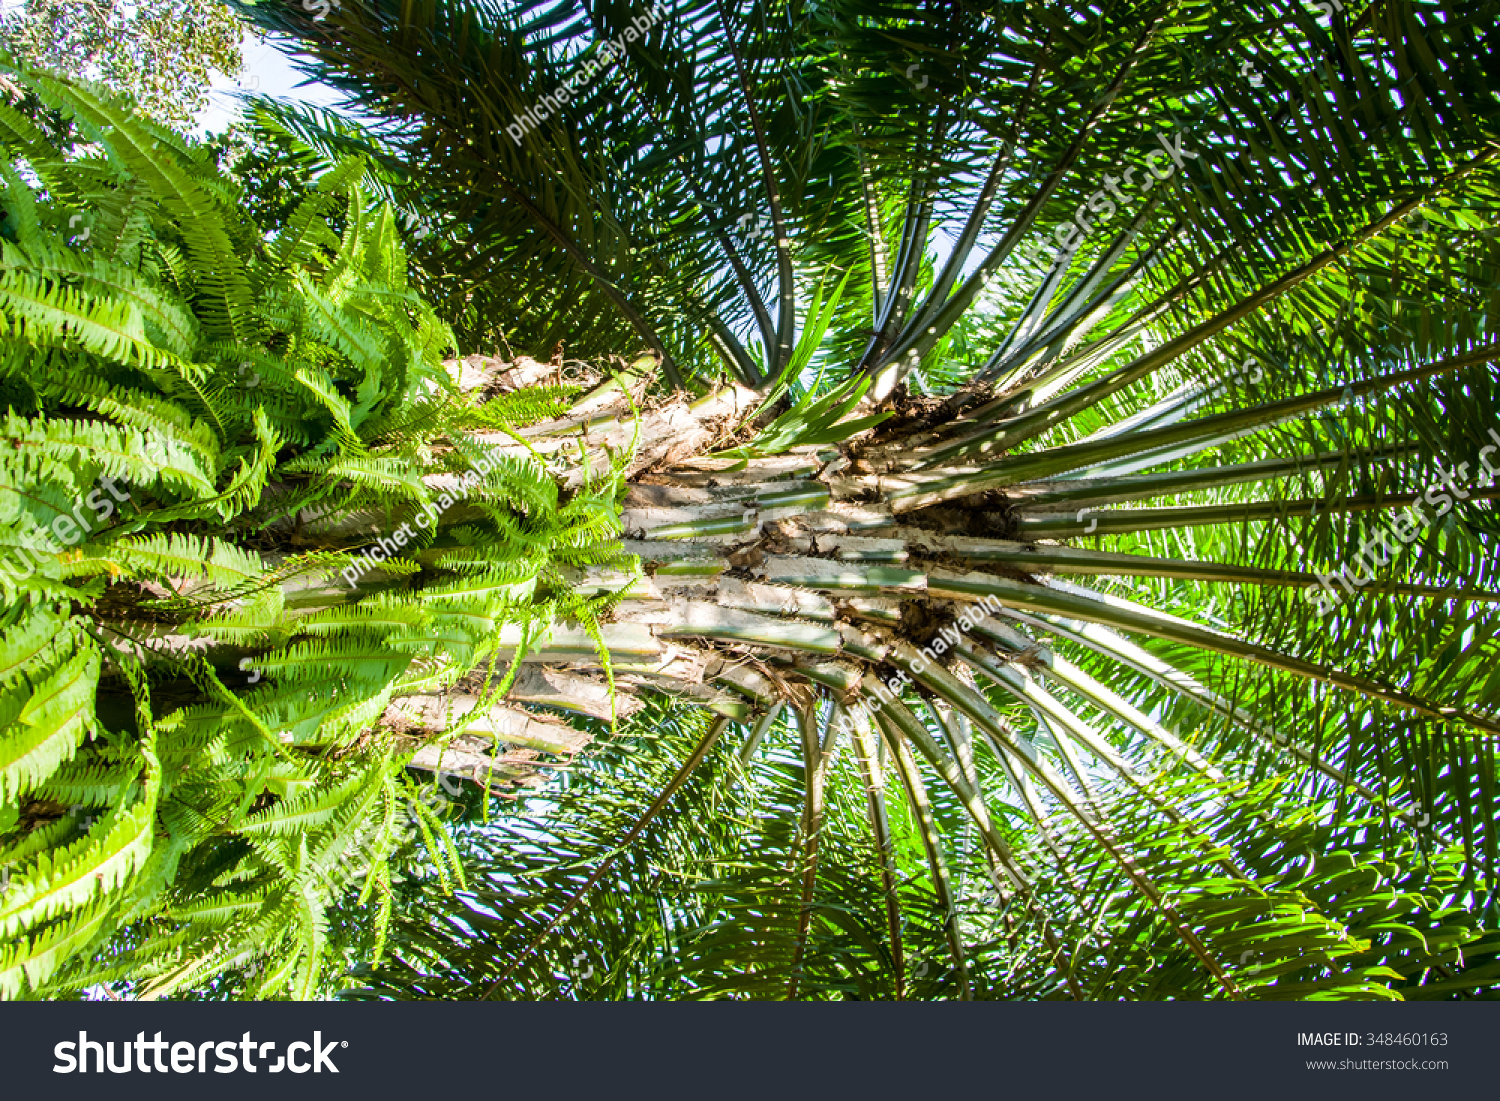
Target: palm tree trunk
x=767 y=578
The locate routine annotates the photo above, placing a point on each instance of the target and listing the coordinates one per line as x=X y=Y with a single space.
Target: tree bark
x=763 y=580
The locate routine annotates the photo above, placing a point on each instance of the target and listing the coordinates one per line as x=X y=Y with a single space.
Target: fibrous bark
x=765 y=579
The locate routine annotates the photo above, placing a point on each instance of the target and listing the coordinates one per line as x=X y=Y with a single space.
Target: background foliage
x=162 y=53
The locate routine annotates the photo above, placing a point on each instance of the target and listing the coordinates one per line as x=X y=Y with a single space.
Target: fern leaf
x=50 y=727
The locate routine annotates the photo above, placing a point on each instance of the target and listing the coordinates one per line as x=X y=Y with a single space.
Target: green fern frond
x=58 y=714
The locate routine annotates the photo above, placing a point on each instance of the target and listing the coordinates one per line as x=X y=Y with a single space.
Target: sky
x=268 y=72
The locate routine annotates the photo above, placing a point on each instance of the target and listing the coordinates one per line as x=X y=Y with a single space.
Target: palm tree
x=1043 y=636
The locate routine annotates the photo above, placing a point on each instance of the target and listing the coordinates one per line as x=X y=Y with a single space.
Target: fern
x=202 y=427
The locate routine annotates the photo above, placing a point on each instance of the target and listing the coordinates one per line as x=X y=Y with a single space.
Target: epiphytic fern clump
x=210 y=432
